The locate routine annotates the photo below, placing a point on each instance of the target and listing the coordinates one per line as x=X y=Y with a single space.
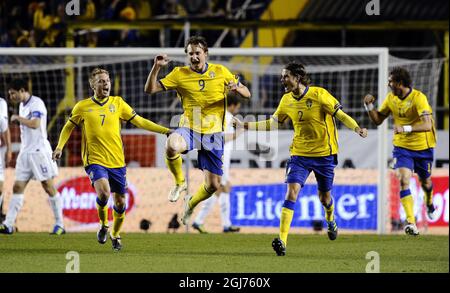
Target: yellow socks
x=329 y=210
x=287 y=213
x=102 y=210
x=408 y=205
x=199 y=196
x=175 y=165
x=428 y=195
x=119 y=217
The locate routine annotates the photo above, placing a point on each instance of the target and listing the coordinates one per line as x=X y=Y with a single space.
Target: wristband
x=407 y=128
x=369 y=107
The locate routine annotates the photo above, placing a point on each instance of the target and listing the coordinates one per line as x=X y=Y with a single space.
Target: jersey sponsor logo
x=79 y=199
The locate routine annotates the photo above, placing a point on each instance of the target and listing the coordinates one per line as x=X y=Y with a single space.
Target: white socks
x=224 y=200
x=15 y=205
x=56 y=205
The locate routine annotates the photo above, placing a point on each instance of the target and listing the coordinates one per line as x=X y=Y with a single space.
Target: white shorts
x=35 y=165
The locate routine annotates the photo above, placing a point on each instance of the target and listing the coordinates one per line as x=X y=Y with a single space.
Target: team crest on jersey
x=112 y=108
x=309 y=103
x=212 y=74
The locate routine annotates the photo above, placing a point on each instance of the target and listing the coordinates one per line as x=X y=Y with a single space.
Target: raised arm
x=63 y=138
x=375 y=116
x=152 y=85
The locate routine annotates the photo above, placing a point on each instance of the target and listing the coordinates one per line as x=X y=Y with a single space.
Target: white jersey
x=3 y=118
x=33 y=139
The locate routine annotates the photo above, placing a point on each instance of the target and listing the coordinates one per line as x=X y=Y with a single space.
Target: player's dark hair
x=196 y=40
x=19 y=83
x=233 y=99
x=400 y=74
x=299 y=71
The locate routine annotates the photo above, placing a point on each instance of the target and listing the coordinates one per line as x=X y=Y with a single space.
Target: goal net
x=60 y=78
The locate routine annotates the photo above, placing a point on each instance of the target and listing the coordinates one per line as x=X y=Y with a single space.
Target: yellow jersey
x=203 y=96
x=312 y=114
x=408 y=111
x=100 y=124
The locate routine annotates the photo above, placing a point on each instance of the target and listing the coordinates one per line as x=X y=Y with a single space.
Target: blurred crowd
x=31 y=23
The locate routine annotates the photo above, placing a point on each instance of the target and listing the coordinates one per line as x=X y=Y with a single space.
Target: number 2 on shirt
x=103 y=118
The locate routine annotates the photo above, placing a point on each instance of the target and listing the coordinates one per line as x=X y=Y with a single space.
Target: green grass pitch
x=185 y=253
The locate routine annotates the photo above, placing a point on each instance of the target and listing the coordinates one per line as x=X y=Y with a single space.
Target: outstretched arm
x=146 y=124
x=350 y=123
x=63 y=138
x=152 y=85
x=265 y=125
x=375 y=116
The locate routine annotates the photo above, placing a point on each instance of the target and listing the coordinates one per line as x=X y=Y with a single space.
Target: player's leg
x=23 y=175
x=210 y=185
x=15 y=204
x=210 y=153
x=56 y=206
x=404 y=165
x=2 y=179
x=324 y=171
x=118 y=184
x=422 y=166
x=224 y=201
x=175 y=145
x=203 y=213
x=297 y=171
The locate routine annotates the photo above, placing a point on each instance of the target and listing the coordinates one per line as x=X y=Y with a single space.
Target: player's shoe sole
x=58 y=230
x=279 y=247
x=116 y=243
x=102 y=234
x=175 y=193
x=332 y=230
x=411 y=229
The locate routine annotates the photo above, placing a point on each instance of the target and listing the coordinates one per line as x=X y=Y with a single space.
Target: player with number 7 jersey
x=99 y=119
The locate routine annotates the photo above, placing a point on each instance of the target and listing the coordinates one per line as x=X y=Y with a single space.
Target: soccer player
x=414 y=139
x=202 y=88
x=312 y=111
x=223 y=193
x=35 y=157
x=5 y=148
x=99 y=119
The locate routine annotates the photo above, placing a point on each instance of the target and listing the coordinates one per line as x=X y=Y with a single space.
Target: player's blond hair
x=94 y=73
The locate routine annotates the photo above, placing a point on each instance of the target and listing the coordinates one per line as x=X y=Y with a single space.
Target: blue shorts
x=116 y=177
x=298 y=169
x=417 y=161
x=209 y=146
